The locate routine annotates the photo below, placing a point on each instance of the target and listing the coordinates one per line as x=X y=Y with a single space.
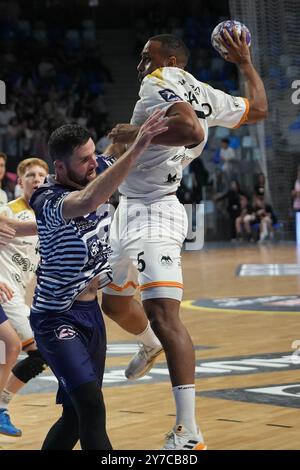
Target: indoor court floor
x=242 y=308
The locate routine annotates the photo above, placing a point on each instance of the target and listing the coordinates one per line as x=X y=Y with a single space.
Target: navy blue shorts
x=3 y=317
x=73 y=344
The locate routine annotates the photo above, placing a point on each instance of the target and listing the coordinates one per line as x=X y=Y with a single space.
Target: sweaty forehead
x=153 y=47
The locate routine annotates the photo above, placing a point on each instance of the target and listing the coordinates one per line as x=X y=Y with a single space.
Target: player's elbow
x=262 y=113
x=195 y=135
x=198 y=135
x=257 y=113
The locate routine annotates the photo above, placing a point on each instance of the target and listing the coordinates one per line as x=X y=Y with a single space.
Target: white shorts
x=146 y=239
x=17 y=313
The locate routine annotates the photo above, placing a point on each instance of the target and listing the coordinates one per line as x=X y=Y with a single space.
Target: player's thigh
x=9 y=341
x=18 y=314
x=160 y=272
x=124 y=277
x=115 y=304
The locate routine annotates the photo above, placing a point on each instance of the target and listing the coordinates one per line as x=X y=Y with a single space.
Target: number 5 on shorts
x=141 y=262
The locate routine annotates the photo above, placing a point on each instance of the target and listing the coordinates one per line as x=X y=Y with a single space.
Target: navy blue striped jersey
x=73 y=251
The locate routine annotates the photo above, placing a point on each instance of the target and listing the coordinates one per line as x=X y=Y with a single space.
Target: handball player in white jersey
x=150 y=224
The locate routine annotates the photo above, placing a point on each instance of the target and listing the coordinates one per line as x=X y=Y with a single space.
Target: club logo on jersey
x=23 y=215
x=65 y=332
x=171 y=178
x=169 y=95
x=94 y=249
x=165 y=260
x=24 y=263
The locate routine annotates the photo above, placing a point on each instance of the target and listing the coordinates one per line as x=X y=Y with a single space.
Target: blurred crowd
x=52 y=76
x=247 y=213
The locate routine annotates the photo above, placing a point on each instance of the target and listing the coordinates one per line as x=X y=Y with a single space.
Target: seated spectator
x=264 y=215
x=243 y=221
x=260 y=187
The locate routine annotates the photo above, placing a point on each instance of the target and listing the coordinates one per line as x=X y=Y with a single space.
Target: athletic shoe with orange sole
x=181 y=439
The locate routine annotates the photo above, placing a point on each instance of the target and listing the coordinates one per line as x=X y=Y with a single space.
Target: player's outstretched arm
x=239 y=54
x=97 y=192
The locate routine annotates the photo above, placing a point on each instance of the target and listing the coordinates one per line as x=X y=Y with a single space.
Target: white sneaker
x=142 y=362
x=181 y=439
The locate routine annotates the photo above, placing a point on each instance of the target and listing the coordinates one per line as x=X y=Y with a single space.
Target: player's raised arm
x=239 y=54
x=100 y=189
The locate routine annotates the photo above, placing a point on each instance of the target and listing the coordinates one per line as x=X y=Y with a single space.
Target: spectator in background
x=7 y=113
x=11 y=181
x=15 y=131
x=296 y=193
x=219 y=181
x=185 y=190
x=104 y=141
x=200 y=179
x=260 y=187
x=233 y=205
x=230 y=161
x=296 y=205
x=243 y=221
x=3 y=195
x=265 y=216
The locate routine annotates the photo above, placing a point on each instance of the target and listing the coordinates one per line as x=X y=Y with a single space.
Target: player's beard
x=79 y=179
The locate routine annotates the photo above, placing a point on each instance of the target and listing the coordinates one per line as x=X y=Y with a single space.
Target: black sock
x=88 y=402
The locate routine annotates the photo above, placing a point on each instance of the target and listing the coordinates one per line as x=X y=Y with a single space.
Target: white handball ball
x=229 y=25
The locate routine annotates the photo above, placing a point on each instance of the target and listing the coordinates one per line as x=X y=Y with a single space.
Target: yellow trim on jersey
x=245 y=115
x=156 y=74
x=161 y=284
x=19 y=205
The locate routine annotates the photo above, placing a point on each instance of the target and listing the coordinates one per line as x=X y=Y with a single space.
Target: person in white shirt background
x=230 y=161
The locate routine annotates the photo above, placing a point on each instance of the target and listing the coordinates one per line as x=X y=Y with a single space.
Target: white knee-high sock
x=185 y=408
x=148 y=338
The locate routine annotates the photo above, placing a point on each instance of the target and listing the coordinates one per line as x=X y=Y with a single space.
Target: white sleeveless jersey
x=19 y=258
x=159 y=170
